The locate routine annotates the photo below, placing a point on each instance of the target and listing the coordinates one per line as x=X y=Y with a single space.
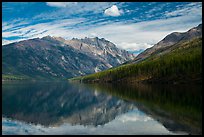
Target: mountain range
x=58 y=58
x=54 y=57
x=175 y=59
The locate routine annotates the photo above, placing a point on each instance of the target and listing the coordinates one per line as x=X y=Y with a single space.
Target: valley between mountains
x=175 y=59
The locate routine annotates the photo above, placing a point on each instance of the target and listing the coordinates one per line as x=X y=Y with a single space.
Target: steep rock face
x=170 y=40
x=55 y=57
x=101 y=48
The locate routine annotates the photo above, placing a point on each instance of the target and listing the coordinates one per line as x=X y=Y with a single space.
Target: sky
x=133 y=26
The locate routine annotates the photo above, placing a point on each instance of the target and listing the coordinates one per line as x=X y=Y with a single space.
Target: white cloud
x=44 y=29
x=14 y=24
x=189 y=9
x=4 y=42
x=112 y=11
x=76 y=9
x=128 y=36
x=135 y=46
x=132 y=36
x=60 y=4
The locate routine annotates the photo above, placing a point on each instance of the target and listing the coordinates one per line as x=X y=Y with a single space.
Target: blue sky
x=130 y=25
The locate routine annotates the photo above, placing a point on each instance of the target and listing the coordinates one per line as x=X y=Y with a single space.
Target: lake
x=75 y=108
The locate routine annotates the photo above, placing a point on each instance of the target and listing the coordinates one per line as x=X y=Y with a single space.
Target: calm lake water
x=73 y=108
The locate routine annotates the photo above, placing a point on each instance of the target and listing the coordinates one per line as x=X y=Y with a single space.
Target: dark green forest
x=182 y=64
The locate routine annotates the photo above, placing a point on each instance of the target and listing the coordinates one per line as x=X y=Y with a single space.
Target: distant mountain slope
x=183 y=64
x=106 y=50
x=169 y=41
x=55 y=57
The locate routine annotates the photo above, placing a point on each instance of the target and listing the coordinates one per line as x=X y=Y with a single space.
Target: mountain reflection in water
x=108 y=109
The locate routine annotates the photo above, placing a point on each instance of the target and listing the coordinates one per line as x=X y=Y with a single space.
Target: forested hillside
x=182 y=64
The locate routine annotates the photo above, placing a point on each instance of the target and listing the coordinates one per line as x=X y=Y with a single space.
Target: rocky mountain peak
x=56 y=57
x=177 y=36
x=59 y=39
x=48 y=37
x=170 y=40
